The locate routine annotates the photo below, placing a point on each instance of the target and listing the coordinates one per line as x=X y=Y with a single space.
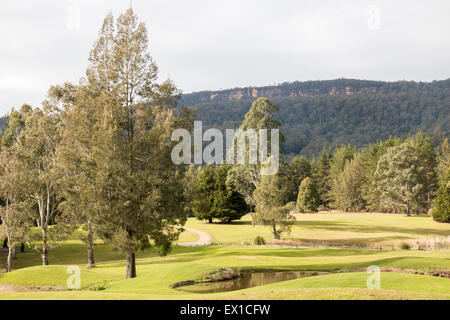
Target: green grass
x=335 y=229
x=156 y=274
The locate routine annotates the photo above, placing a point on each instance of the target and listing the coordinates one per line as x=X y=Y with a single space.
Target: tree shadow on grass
x=350 y=242
x=349 y=227
x=333 y=267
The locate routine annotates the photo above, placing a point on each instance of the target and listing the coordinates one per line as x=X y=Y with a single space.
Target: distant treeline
x=318 y=114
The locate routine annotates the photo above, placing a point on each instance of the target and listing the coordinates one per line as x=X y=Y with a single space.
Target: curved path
x=204 y=239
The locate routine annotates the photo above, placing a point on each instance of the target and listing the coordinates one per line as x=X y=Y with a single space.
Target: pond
x=247 y=280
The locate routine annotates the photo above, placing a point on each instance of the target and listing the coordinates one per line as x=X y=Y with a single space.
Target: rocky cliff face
x=294 y=89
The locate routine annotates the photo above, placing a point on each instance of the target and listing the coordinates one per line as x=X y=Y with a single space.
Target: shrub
x=259 y=241
x=405 y=246
x=99 y=286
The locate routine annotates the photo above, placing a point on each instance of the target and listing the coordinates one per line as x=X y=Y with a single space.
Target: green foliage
x=428 y=161
x=99 y=286
x=319 y=114
x=444 y=159
x=245 y=178
x=37 y=145
x=398 y=175
x=138 y=189
x=321 y=174
x=16 y=210
x=14 y=124
x=369 y=157
x=228 y=204
x=340 y=156
x=405 y=246
x=259 y=241
x=213 y=199
x=308 y=197
x=346 y=189
x=261 y=115
x=271 y=196
x=203 y=197
x=298 y=169
x=441 y=210
x=189 y=185
x=75 y=161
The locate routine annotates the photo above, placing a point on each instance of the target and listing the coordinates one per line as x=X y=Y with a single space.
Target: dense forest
x=318 y=114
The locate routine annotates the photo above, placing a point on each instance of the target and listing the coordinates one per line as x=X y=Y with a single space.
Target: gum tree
x=16 y=212
x=245 y=178
x=37 y=148
x=75 y=162
x=271 y=208
x=398 y=175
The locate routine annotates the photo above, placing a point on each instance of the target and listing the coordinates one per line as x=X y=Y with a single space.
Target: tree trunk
x=407 y=211
x=5 y=243
x=210 y=220
x=131 y=264
x=274 y=231
x=44 y=254
x=14 y=256
x=22 y=247
x=9 y=259
x=90 y=240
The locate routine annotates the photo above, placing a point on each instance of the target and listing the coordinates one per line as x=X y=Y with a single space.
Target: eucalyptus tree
x=15 y=122
x=398 y=177
x=245 y=178
x=271 y=197
x=15 y=214
x=75 y=164
x=13 y=126
x=37 y=146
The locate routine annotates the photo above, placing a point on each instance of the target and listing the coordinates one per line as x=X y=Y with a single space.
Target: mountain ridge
x=341 y=86
x=332 y=112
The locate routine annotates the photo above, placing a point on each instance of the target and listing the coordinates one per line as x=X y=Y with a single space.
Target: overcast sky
x=212 y=44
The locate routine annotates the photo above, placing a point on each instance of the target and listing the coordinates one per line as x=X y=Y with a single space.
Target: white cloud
x=212 y=44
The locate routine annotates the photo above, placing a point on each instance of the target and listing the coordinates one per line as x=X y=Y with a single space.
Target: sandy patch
x=15 y=288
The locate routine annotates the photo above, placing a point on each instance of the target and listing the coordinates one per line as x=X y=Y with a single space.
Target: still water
x=247 y=280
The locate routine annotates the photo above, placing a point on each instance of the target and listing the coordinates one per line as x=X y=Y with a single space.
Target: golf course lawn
x=335 y=229
x=156 y=274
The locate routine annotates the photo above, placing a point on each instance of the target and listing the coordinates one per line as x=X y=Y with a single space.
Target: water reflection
x=247 y=280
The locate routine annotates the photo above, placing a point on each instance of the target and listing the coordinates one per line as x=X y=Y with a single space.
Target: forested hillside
x=316 y=114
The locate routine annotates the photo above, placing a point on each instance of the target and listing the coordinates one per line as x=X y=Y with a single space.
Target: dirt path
x=204 y=239
x=8 y=288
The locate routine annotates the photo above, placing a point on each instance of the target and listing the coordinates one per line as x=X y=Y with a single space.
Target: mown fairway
x=335 y=229
x=156 y=274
